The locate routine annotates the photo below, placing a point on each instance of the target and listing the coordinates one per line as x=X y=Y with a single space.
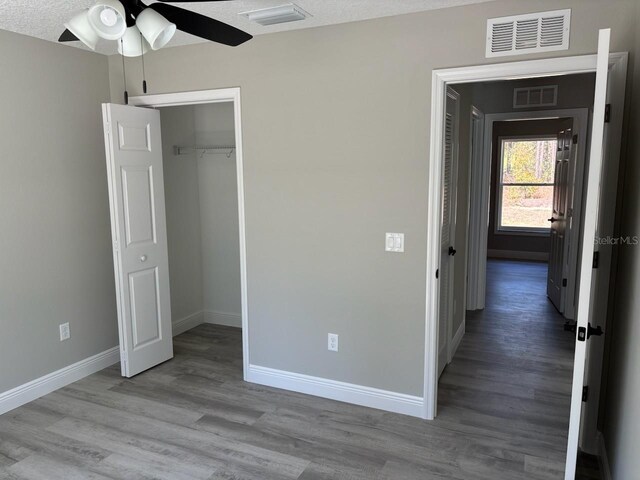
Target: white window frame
x=511 y=230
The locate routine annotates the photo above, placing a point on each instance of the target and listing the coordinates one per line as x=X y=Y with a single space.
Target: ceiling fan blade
x=67 y=36
x=201 y=25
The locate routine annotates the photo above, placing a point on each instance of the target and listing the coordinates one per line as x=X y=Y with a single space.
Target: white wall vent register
x=544 y=96
x=529 y=33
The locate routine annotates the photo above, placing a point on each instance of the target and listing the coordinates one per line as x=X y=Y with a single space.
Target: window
x=525 y=184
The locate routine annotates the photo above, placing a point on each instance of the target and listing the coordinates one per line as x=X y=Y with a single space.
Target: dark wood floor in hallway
x=512 y=373
x=503 y=412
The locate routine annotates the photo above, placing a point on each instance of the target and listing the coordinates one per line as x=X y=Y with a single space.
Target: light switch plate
x=394 y=242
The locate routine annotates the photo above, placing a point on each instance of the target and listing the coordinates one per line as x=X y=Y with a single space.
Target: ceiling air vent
x=274 y=15
x=530 y=33
x=545 y=96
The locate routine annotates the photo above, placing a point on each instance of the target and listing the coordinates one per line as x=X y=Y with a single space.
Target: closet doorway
x=177 y=210
x=201 y=199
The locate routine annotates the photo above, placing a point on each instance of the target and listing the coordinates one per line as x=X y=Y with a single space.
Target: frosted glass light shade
x=107 y=17
x=79 y=25
x=133 y=44
x=156 y=29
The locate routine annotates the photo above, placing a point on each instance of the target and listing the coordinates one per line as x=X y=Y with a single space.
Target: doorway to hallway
x=510 y=379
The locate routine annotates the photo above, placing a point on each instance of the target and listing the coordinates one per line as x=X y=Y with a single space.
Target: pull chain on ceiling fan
x=126 y=21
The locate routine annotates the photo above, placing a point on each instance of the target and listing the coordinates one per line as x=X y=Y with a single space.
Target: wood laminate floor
x=504 y=404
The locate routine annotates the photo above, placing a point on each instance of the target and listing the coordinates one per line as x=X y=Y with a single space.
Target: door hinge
x=607 y=113
x=596 y=259
x=116 y=246
x=585 y=393
x=564 y=282
x=575 y=139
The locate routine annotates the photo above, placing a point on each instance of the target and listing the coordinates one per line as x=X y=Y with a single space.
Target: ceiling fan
x=139 y=27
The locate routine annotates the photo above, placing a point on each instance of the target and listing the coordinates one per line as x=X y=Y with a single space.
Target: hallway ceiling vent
x=530 y=33
x=544 y=96
x=274 y=15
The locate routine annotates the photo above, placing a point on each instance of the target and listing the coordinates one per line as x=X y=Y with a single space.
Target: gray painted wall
x=219 y=210
x=56 y=264
x=622 y=397
x=336 y=128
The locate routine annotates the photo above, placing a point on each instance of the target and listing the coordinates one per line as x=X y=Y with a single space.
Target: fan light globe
x=79 y=25
x=107 y=17
x=156 y=29
x=133 y=44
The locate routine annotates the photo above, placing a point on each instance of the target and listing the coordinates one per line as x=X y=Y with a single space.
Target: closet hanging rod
x=182 y=149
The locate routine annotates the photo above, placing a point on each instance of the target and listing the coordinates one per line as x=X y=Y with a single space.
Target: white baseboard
x=334 y=390
x=515 y=255
x=187 y=323
x=219 y=318
x=457 y=338
x=603 y=459
x=30 y=391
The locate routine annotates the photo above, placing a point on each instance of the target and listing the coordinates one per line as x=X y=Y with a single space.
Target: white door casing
x=475 y=229
x=559 y=216
x=447 y=242
x=138 y=227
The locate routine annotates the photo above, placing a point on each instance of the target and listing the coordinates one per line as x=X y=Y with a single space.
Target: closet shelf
x=184 y=149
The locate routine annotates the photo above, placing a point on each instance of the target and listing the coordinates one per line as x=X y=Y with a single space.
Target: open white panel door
x=139 y=234
x=586 y=292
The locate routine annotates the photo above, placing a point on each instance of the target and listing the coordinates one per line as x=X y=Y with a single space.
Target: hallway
x=511 y=376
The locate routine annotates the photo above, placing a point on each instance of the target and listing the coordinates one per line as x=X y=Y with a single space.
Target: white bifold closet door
x=139 y=234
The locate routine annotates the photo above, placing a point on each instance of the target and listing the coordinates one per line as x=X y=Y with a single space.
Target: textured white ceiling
x=44 y=19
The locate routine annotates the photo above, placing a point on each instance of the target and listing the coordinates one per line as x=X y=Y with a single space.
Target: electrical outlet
x=65 y=332
x=333 y=342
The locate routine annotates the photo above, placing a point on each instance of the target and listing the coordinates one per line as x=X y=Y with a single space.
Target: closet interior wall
x=202 y=214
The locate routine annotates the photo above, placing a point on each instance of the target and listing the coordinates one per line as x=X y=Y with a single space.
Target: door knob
x=452 y=251
x=143 y=258
x=597 y=331
x=552 y=219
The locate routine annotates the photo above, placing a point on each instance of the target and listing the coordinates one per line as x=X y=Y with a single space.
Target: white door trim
x=221 y=95
x=475 y=243
x=481 y=188
x=440 y=78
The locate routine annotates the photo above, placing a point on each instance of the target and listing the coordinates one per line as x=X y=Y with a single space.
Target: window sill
x=523 y=231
